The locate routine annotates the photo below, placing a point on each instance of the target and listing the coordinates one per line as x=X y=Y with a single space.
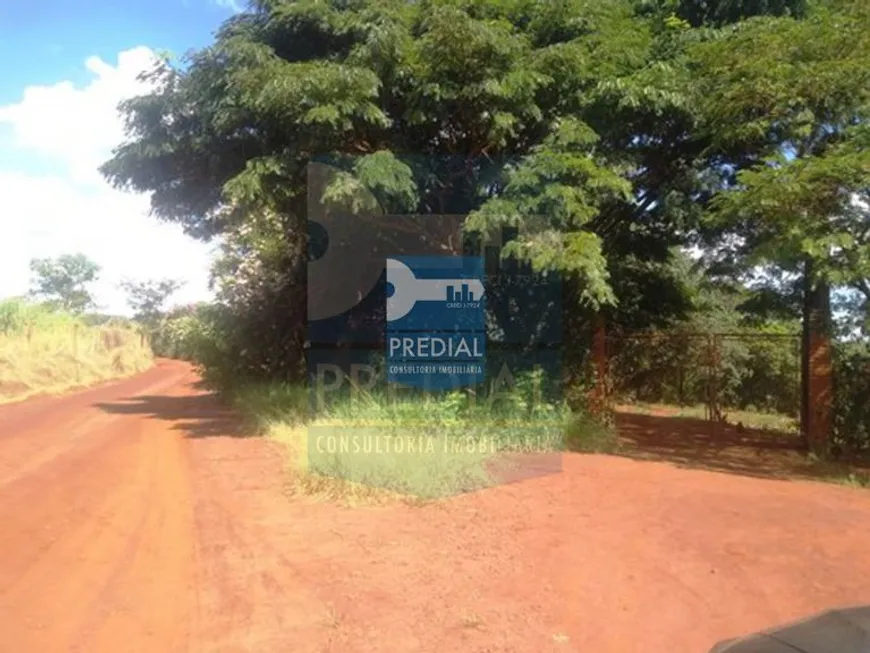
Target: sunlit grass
x=43 y=352
x=372 y=447
x=749 y=419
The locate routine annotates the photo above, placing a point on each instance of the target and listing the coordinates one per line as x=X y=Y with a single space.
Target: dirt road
x=132 y=520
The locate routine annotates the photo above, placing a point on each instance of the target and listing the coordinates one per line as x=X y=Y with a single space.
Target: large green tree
x=700 y=13
x=785 y=103
x=433 y=107
x=574 y=123
x=63 y=281
x=147 y=298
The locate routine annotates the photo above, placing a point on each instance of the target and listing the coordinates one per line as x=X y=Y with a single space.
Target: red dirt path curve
x=132 y=521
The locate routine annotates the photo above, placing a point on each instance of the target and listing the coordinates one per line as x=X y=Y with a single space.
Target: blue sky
x=49 y=40
x=67 y=64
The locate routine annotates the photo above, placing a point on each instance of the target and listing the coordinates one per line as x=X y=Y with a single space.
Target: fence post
x=708 y=380
x=600 y=353
x=76 y=351
x=712 y=409
x=717 y=362
x=817 y=367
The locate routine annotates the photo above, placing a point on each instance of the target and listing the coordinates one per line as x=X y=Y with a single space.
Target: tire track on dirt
x=96 y=549
x=157 y=559
x=78 y=476
x=252 y=596
x=160 y=532
x=80 y=488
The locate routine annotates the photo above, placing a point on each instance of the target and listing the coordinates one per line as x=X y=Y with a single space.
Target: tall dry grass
x=48 y=352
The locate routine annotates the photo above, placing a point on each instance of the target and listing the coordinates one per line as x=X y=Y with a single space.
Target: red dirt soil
x=133 y=520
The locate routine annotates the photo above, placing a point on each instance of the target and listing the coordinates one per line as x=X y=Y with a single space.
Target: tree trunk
x=816 y=363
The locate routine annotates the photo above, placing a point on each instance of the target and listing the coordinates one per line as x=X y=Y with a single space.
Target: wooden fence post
x=817 y=364
x=713 y=411
x=76 y=351
x=600 y=354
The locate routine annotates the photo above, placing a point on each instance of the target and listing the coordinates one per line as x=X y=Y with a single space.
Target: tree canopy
x=608 y=134
x=147 y=298
x=792 y=97
x=63 y=281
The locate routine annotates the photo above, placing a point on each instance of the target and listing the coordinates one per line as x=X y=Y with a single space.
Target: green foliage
x=448 y=107
x=584 y=433
x=267 y=403
x=852 y=400
x=742 y=360
x=699 y=13
x=551 y=196
x=18 y=316
x=14 y=315
x=770 y=378
x=147 y=298
x=63 y=282
x=511 y=420
x=213 y=338
x=785 y=102
x=749 y=372
x=193 y=334
x=607 y=135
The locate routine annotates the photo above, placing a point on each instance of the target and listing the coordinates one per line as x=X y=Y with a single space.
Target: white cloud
x=71 y=131
x=233 y=5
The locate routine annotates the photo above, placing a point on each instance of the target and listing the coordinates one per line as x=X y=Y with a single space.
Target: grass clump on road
x=48 y=352
x=367 y=445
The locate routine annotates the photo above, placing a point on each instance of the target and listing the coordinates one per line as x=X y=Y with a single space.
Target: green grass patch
x=371 y=446
x=854 y=479
x=749 y=419
x=854 y=474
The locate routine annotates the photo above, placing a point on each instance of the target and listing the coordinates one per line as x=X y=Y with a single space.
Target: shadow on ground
x=683 y=441
x=697 y=443
x=197 y=416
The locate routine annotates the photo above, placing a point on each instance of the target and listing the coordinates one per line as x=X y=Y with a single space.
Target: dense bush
x=199 y=334
x=851 y=400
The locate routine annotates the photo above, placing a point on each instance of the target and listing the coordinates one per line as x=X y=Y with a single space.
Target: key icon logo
x=408 y=290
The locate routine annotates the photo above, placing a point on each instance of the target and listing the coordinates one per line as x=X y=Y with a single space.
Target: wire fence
x=751 y=379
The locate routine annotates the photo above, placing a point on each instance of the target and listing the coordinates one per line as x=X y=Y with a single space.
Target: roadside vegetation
x=423 y=446
x=55 y=339
x=701 y=168
x=759 y=389
x=44 y=350
x=368 y=445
